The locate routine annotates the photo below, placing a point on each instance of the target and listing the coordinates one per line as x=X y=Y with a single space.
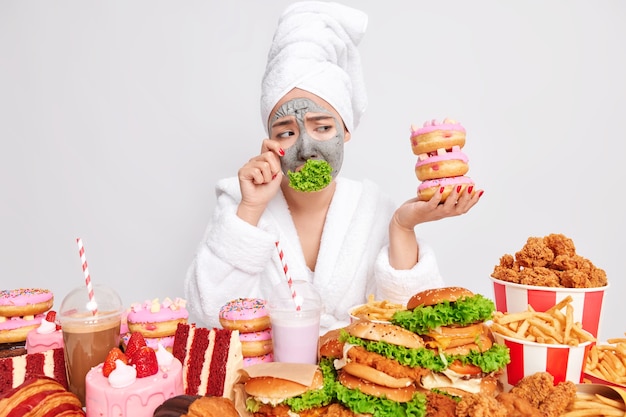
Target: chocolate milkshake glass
x=90 y=329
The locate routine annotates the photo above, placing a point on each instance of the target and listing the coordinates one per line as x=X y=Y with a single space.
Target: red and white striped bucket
x=564 y=362
x=587 y=302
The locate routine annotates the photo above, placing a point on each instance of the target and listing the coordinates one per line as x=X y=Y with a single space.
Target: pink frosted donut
x=245 y=315
x=15 y=329
x=253 y=360
x=167 y=342
x=154 y=319
x=256 y=343
x=441 y=163
x=25 y=302
x=435 y=135
x=427 y=189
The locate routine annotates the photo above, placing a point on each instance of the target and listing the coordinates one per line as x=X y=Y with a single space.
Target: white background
x=118 y=117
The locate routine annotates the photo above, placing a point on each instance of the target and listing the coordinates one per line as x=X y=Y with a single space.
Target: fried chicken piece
x=534 y=253
x=560 y=244
x=476 y=405
x=389 y=366
x=535 y=388
x=517 y=406
x=507 y=270
x=598 y=278
x=439 y=405
x=560 y=397
x=575 y=278
x=540 y=276
x=567 y=263
x=539 y=390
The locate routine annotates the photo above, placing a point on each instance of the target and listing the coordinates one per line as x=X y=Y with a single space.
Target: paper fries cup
x=564 y=362
x=587 y=302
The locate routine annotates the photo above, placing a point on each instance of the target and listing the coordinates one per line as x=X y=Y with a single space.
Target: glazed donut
x=427 y=189
x=25 y=302
x=434 y=135
x=15 y=329
x=441 y=163
x=245 y=315
x=256 y=343
x=253 y=360
x=154 y=319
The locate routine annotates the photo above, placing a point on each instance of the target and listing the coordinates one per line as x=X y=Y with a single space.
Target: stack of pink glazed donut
x=250 y=317
x=441 y=165
x=22 y=310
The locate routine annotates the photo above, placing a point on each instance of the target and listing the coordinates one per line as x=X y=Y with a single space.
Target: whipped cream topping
x=46 y=327
x=123 y=375
x=164 y=357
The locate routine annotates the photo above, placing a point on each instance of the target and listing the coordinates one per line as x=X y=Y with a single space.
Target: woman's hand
x=414 y=212
x=403 y=247
x=259 y=181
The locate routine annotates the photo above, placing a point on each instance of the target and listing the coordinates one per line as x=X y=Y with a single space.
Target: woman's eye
x=323 y=129
x=285 y=134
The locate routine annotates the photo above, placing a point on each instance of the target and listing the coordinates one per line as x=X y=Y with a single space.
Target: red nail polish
x=480 y=194
x=441 y=190
x=458 y=188
x=281 y=152
x=470 y=189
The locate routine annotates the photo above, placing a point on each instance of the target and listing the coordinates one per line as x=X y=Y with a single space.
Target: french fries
x=608 y=361
x=586 y=405
x=552 y=326
x=376 y=310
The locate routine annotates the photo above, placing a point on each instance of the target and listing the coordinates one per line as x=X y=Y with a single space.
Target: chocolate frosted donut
x=175 y=406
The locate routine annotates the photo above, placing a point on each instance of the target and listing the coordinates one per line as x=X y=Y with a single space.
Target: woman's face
x=307 y=127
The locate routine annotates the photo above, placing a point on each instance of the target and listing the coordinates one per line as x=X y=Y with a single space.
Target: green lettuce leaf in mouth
x=314 y=175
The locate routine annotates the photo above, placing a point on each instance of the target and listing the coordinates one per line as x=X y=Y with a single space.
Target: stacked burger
x=439 y=343
x=441 y=165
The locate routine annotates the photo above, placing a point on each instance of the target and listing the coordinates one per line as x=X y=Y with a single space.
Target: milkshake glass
x=91 y=328
x=295 y=332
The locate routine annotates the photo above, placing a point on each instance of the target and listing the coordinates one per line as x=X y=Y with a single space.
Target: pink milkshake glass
x=295 y=331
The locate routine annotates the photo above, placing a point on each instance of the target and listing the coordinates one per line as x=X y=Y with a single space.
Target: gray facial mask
x=306 y=147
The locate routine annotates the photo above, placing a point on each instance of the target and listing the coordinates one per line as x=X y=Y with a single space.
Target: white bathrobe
x=236 y=259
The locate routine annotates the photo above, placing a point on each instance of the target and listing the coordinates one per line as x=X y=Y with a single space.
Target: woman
x=347 y=239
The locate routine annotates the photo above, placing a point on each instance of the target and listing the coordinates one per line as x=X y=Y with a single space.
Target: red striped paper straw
x=93 y=306
x=295 y=297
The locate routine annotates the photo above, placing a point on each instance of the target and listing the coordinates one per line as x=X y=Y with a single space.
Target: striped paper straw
x=92 y=305
x=296 y=299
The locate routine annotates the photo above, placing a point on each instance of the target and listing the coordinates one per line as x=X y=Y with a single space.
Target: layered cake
x=133 y=385
x=46 y=336
x=211 y=359
x=17 y=369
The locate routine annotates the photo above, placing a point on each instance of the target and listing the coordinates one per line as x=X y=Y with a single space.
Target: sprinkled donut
x=256 y=343
x=253 y=360
x=25 y=302
x=245 y=314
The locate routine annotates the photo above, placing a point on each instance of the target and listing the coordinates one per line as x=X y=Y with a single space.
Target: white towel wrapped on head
x=315 y=49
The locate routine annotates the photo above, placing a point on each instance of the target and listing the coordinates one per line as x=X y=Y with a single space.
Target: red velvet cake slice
x=211 y=359
x=16 y=369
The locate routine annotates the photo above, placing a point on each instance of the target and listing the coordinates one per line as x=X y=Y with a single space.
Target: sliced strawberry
x=51 y=316
x=109 y=362
x=135 y=342
x=145 y=362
